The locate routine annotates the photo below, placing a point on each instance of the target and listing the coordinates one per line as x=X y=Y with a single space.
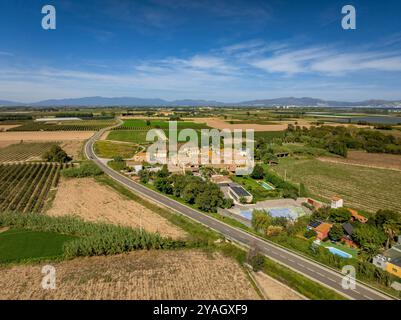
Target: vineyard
x=24 y=151
x=89 y=125
x=144 y=125
x=25 y=187
x=364 y=188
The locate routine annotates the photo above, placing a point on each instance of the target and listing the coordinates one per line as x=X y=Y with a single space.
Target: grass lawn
x=258 y=192
x=109 y=149
x=364 y=188
x=19 y=245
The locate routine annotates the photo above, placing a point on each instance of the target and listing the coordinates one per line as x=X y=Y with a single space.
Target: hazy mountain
x=7 y=103
x=132 y=101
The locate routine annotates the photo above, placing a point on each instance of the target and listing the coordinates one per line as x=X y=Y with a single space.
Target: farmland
x=364 y=188
x=128 y=136
x=24 y=151
x=139 y=124
x=87 y=125
x=109 y=149
x=18 y=245
x=25 y=187
x=182 y=274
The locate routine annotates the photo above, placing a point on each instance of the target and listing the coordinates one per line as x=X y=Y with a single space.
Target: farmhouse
x=321 y=228
x=337 y=202
x=237 y=192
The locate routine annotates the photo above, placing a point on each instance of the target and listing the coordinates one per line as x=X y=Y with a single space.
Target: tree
x=163 y=185
x=260 y=220
x=336 y=232
x=258 y=172
x=310 y=234
x=369 y=237
x=56 y=154
x=390 y=222
x=340 y=215
x=256 y=259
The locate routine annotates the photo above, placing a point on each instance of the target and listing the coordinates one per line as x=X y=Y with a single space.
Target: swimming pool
x=266 y=185
x=339 y=252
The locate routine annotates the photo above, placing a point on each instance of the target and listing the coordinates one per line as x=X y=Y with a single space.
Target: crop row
x=85 y=126
x=25 y=187
x=24 y=151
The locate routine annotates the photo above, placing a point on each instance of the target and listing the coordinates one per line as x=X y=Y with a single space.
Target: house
x=322 y=230
x=220 y=179
x=237 y=192
x=316 y=204
x=336 y=202
x=348 y=229
x=390 y=260
x=357 y=217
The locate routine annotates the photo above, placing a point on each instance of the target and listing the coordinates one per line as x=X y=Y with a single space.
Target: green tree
x=369 y=237
x=336 y=232
x=56 y=154
x=258 y=172
x=340 y=215
x=390 y=222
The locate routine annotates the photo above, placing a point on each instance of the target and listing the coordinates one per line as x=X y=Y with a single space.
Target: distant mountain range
x=132 y=101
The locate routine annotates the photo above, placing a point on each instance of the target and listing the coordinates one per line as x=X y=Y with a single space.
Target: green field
x=18 y=245
x=128 y=136
x=109 y=149
x=24 y=151
x=363 y=188
x=139 y=124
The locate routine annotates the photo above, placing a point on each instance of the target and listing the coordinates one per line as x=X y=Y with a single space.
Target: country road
x=304 y=266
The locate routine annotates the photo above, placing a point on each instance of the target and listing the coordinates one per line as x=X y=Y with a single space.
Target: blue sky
x=216 y=50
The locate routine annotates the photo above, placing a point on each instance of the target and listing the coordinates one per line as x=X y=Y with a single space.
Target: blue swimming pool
x=339 y=252
x=266 y=185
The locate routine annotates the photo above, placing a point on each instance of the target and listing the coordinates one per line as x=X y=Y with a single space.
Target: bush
x=256 y=260
x=56 y=154
x=86 y=169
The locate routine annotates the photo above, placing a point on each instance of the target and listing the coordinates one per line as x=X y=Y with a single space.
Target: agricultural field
x=132 y=136
x=142 y=124
x=25 y=187
x=43 y=136
x=84 y=125
x=24 y=151
x=91 y=201
x=33 y=151
x=175 y=274
x=17 y=245
x=364 y=188
x=109 y=149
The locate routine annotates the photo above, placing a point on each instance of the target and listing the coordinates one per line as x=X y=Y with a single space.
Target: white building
x=337 y=202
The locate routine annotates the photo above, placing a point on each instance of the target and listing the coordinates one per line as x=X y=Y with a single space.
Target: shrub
x=56 y=154
x=86 y=169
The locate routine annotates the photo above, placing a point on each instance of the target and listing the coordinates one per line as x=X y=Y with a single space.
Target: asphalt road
x=308 y=268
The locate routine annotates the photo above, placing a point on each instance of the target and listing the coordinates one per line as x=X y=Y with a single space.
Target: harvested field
x=372 y=160
x=172 y=275
x=92 y=201
x=274 y=290
x=222 y=124
x=45 y=136
x=363 y=188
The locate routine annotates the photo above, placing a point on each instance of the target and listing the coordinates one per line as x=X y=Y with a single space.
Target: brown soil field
x=172 y=275
x=4 y=144
x=92 y=201
x=274 y=290
x=372 y=160
x=45 y=135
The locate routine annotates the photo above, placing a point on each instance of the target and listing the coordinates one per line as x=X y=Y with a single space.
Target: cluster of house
x=322 y=229
x=390 y=260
